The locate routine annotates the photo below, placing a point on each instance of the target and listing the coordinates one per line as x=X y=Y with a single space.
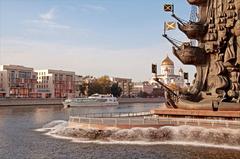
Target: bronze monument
x=216 y=57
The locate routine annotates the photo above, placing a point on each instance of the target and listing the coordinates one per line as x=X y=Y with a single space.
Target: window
x=26 y=75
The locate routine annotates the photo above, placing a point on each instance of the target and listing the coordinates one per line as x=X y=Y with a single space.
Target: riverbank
x=57 y=101
x=141 y=100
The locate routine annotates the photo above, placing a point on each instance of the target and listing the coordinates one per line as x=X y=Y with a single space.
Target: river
x=20 y=140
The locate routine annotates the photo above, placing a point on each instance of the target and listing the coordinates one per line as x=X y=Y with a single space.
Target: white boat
x=95 y=100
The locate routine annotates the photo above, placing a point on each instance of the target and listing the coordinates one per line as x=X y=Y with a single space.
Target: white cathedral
x=167 y=75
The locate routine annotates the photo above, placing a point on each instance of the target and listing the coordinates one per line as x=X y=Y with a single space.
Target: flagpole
x=172 y=9
x=164 y=32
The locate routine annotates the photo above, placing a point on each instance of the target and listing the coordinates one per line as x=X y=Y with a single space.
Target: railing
x=112 y=114
x=153 y=121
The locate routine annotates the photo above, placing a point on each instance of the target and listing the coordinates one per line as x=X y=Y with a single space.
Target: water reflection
x=19 y=140
x=137 y=107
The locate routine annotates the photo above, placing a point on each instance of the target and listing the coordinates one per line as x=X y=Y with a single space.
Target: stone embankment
x=29 y=102
x=57 y=101
x=140 y=100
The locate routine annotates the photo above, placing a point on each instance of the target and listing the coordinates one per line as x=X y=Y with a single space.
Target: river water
x=20 y=140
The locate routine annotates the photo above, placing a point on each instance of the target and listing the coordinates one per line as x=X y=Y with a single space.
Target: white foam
x=196 y=144
x=53 y=125
x=181 y=135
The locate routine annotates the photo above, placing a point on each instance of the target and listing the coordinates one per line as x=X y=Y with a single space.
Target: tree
x=83 y=88
x=116 y=90
x=101 y=85
x=94 y=87
x=105 y=84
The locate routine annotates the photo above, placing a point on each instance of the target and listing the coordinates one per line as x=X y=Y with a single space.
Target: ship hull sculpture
x=217 y=58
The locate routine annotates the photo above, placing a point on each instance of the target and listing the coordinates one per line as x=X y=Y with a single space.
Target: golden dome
x=167 y=61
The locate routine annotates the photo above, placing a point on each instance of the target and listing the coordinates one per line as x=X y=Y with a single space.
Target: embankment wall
x=57 y=101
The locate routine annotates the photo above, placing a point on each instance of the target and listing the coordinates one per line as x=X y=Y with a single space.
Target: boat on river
x=94 y=100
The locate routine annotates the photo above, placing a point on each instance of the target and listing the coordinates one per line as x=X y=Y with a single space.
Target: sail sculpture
x=217 y=57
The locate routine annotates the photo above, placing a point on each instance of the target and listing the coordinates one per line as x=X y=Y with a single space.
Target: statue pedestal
x=181 y=113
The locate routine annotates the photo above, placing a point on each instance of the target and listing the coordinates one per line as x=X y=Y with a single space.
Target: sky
x=119 y=38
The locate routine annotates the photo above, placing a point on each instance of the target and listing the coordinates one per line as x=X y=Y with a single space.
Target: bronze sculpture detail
x=216 y=58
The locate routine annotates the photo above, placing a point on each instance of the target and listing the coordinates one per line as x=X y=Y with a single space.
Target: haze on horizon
x=91 y=37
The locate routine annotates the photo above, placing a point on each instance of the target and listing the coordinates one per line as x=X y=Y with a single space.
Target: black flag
x=185 y=75
x=154 y=68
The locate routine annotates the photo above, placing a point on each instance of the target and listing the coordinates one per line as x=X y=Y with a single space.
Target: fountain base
x=208 y=114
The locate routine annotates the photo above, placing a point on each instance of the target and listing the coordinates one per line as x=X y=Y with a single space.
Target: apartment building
x=142 y=87
x=17 y=81
x=55 y=83
x=126 y=85
x=3 y=80
x=78 y=85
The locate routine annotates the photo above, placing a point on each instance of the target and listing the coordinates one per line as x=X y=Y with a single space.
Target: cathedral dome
x=167 y=61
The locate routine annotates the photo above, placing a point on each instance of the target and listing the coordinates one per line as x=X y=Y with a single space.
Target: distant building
x=55 y=83
x=139 y=87
x=126 y=85
x=167 y=74
x=78 y=84
x=3 y=83
x=17 y=81
x=151 y=89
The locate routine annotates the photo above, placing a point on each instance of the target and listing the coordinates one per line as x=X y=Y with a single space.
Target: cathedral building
x=167 y=75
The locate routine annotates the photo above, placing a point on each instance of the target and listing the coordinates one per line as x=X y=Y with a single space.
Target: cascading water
x=181 y=134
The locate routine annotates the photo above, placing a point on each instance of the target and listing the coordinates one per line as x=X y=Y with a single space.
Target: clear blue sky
x=97 y=37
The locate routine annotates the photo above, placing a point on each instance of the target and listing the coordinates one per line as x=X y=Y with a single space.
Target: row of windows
x=42 y=73
x=42 y=86
x=43 y=81
x=27 y=75
x=20 y=74
x=43 y=77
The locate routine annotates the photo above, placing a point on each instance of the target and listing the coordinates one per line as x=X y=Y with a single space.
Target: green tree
x=101 y=85
x=116 y=90
x=105 y=84
x=94 y=87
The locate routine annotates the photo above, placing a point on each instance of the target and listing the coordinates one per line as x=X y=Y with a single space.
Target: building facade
x=78 y=85
x=17 y=81
x=55 y=83
x=125 y=84
x=3 y=84
x=167 y=75
x=139 y=87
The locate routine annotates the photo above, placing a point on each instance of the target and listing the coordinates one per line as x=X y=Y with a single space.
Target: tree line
x=102 y=85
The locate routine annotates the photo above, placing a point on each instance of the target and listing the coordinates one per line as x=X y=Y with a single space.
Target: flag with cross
x=168 y=8
x=169 y=26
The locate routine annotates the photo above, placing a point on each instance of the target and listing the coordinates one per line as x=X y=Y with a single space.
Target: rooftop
x=167 y=61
